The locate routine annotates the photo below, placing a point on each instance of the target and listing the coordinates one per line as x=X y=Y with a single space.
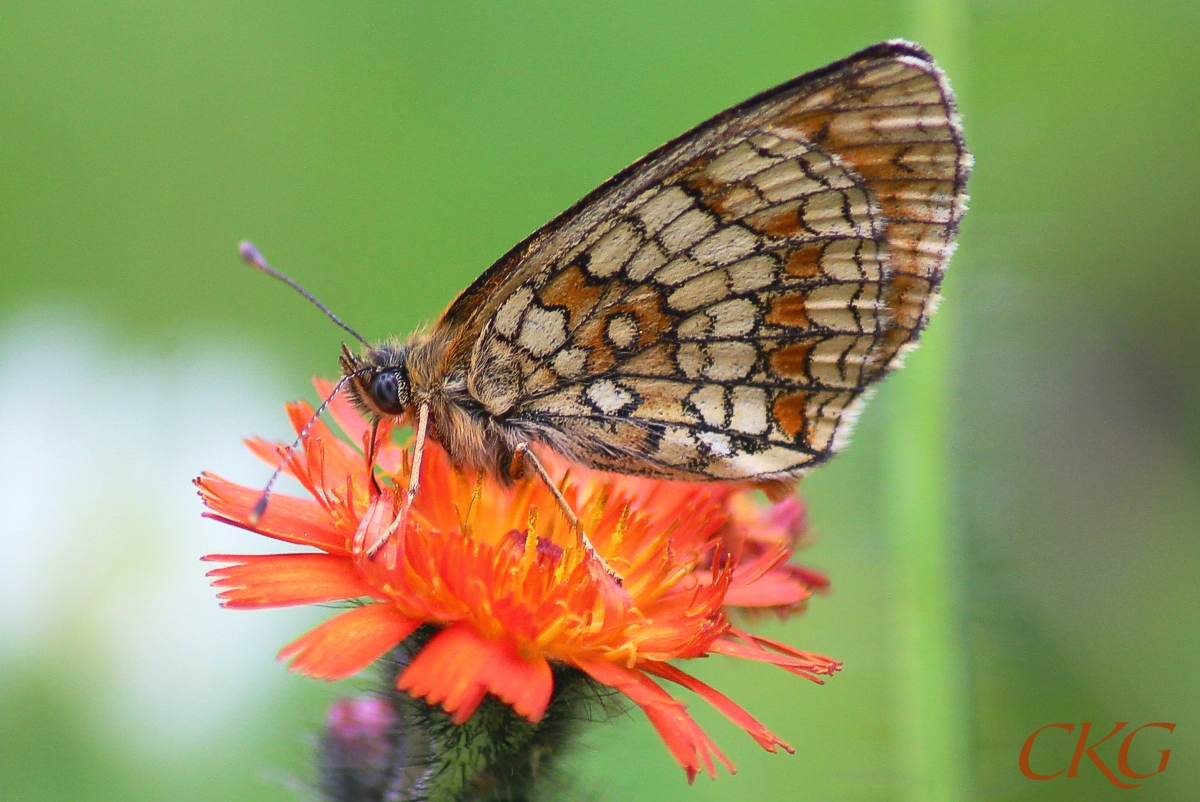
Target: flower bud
x=359 y=749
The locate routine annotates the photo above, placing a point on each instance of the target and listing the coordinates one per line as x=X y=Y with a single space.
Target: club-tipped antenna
x=260 y=506
x=253 y=257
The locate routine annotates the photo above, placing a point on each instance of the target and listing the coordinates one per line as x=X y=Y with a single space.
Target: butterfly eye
x=389 y=391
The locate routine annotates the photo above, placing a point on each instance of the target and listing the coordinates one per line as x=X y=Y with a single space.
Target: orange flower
x=501 y=573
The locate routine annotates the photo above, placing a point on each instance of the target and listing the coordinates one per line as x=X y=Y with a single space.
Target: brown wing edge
x=462 y=309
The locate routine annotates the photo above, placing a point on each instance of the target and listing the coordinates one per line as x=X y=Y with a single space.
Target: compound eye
x=389 y=391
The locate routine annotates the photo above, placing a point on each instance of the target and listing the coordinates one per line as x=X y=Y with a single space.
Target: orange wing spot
x=590 y=337
x=893 y=339
x=906 y=298
x=792 y=360
x=644 y=303
x=789 y=310
x=734 y=203
x=805 y=262
x=656 y=361
x=898 y=162
x=700 y=181
x=727 y=201
x=780 y=223
x=812 y=125
x=789 y=413
x=570 y=290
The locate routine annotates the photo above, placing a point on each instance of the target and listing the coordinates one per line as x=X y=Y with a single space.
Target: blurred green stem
x=932 y=722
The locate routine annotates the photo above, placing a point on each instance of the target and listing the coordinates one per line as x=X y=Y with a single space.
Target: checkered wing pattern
x=719 y=309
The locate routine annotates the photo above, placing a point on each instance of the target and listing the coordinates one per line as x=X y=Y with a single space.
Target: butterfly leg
x=372 y=450
x=523 y=454
x=414 y=484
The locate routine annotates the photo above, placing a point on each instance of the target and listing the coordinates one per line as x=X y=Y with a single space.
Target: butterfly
x=717 y=311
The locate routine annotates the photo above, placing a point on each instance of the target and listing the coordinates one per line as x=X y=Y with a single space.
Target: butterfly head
x=379 y=384
x=377 y=380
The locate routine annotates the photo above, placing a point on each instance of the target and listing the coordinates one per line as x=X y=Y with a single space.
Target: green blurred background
x=385 y=153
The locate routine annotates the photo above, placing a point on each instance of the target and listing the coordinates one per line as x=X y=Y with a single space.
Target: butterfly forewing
x=717 y=310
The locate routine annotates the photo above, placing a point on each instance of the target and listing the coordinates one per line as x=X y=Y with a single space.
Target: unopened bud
x=358 y=751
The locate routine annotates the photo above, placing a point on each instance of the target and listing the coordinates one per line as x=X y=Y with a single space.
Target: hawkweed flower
x=507 y=602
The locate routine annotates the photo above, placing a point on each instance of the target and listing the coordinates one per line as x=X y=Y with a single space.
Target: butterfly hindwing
x=718 y=310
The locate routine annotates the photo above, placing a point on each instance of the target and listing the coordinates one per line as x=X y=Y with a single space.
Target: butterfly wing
x=718 y=309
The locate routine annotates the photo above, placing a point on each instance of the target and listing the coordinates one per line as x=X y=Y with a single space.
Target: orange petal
x=749 y=570
x=349 y=642
x=279 y=580
x=802 y=664
x=459 y=667
x=823 y=664
x=733 y=711
x=682 y=735
x=329 y=460
x=777 y=588
x=267 y=451
x=294 y=520
x=772 y=565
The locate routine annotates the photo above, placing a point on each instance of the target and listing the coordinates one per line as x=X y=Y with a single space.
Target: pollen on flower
x=504 y=579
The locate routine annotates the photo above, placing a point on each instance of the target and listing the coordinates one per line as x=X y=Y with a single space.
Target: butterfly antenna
x=260 y=507
x=253 y=257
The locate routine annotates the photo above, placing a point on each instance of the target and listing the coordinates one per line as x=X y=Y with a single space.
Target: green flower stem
x=932 y=720
x=930 y=697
